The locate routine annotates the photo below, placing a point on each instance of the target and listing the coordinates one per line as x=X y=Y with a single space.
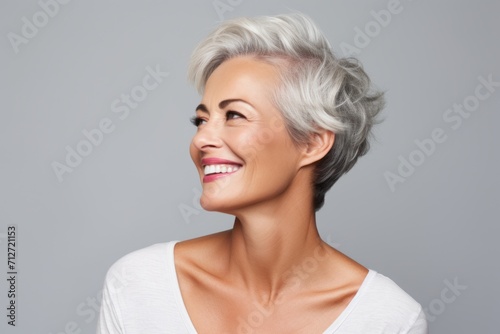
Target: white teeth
x=211 y=169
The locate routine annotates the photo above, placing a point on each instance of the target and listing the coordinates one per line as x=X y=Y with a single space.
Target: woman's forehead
x=240 y=78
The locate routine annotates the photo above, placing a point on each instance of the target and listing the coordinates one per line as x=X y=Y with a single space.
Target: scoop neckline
x=335 y=325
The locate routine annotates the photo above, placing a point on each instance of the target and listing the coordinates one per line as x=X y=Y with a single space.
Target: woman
x=280 y=120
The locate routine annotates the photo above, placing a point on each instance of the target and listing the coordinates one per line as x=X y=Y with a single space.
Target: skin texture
x=271 y=273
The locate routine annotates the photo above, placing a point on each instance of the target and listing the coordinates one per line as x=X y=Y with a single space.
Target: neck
x=271 y=241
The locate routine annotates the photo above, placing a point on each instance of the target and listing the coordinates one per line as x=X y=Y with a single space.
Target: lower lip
x=215 y=176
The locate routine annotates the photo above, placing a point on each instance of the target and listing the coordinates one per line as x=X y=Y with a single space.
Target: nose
x=207 y=137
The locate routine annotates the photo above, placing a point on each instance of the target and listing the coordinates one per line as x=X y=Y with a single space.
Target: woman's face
x=242 y=150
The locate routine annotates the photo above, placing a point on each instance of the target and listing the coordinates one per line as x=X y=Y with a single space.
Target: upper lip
x=217 y=161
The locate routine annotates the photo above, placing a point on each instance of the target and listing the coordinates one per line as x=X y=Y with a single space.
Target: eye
x=197 y=121
x=233 y=115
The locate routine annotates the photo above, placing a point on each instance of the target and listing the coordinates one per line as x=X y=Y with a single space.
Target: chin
x=213 y=203
x=216 y=204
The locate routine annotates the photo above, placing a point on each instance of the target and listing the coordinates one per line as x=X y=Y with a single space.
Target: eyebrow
x=222 y=105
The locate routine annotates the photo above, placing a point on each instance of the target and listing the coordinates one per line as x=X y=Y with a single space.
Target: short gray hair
x=317 y=91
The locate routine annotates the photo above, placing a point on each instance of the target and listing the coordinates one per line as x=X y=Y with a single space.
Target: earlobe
x=319 y=145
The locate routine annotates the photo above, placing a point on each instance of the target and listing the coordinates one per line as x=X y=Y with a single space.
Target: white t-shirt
x=141 y=295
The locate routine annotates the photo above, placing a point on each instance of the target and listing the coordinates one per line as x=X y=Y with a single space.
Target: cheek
x=253 y=144
x=280 y=156
x=271 y=157
x=242 y=144
x=193 y=152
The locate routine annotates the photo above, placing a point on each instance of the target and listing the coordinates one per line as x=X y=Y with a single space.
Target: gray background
x=440 y=225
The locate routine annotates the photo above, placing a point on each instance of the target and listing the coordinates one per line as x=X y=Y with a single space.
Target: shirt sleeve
x=110 y=321
x=420 y=324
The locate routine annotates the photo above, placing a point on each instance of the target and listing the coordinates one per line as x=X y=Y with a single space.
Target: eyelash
x=196 y=121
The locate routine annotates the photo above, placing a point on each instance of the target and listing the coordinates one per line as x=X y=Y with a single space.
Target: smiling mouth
x=220 y=169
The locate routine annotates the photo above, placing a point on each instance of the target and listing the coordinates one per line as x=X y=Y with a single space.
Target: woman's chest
x=223 y=310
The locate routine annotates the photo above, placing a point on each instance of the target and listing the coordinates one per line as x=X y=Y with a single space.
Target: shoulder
x=139 y=264
x=386 y=292
x=197 y=255
x=383 y=305
x=141 y=294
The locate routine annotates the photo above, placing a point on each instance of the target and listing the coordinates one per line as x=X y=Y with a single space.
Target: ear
x=318 y=146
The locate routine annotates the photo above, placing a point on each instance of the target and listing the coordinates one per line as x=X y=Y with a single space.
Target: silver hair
x=317 y=90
